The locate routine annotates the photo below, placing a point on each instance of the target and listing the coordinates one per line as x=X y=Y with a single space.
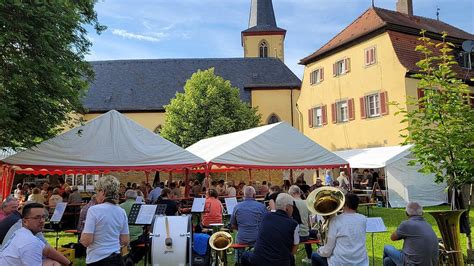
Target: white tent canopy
x=275 y=146
x=404 y=183
x=109 y=142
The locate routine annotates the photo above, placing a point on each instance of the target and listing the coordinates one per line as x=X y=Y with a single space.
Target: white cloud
x=150 y=37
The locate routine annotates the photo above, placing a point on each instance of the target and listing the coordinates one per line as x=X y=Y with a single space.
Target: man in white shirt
x=25 y=247
x=345 y=243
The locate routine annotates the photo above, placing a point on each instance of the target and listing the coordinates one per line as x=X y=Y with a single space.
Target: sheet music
x=146 y=214
x=374 y=225
x=230 y=204
x=198 y=205
x=58 y=212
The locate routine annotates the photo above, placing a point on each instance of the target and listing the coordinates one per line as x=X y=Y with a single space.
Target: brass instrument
x=220 y=241
x=326 y=202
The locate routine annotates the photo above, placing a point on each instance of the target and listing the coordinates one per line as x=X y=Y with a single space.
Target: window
x=317 y=117
x=370 y=56
x=343 y=111
x=316 y=76
x=464 y=59
x=263 y=49
x=374 y=105
x=273 y=119
x=341 y=67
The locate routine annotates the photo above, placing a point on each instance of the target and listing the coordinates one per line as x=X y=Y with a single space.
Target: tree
x=441 y=122
x=209 y=106
x=43 y=75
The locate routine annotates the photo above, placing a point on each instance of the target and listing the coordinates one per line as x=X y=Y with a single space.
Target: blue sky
x=153 y=29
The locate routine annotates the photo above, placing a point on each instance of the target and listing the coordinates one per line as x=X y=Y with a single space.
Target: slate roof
x=378 y=19
x=262 y=17
x=148 y=85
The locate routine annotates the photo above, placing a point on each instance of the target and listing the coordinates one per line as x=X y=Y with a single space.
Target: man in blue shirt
x=154 y=194
x=247 y=216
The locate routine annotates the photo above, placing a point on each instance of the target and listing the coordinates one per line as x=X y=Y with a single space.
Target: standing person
x=212 y=209
x=26 y=244
x=135 y=231
x=277 y=238
x=345 y=243
x=106 y=227
x=304 y=214
x=328 y=178
x=9 y=205
x=343 y=181
x=420 y=245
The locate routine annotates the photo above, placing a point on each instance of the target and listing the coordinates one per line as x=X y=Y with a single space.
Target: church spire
x=263 y=38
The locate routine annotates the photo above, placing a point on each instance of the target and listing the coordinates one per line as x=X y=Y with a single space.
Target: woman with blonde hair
x=55 y=198
x=36 y=196
x=106 y=226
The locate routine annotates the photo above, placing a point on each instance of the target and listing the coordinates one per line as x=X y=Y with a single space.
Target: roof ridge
x=184 y=59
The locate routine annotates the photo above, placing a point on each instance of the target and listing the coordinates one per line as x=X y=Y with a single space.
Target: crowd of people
x=274 y=230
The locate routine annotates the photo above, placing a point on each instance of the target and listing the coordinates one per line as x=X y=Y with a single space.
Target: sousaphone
x=326 y=202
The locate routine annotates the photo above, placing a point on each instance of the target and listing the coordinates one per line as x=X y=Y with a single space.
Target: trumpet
x=326 y=202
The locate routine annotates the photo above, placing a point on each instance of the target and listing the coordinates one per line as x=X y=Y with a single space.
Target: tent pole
x=147 y=174
x=170 y=178
x=250 y=174
x=269 y=175
x=291 y=176
x=386 y=186
x=226 y=176
x=186 y=183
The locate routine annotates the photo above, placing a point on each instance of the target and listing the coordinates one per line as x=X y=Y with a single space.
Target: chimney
x=405 y=7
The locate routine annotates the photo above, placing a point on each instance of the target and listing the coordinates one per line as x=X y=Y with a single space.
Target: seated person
x=247 y=216
x=36 y=196
x=55 y=198
x=171 y=206
x=135 y=231
x=230 y=191
x=220 y=188
x=9 y=205
x=212 y=209
x=272 y=195
x=196 y=189
x=303 y=217
x=26 y=245
x=175 y=192
x=75 y=197
x=420 y=246
x=277 y=238
x=345 y=243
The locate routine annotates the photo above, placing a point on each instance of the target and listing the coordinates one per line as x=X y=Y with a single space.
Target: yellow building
x=349 y=81
x=141 y=88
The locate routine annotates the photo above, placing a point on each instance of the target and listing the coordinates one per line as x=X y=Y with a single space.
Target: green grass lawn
x=391 y=217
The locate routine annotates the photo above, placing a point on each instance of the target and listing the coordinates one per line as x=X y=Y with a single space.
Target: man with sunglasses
x=27 y=246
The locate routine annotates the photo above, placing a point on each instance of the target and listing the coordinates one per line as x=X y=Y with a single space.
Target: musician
x=171 y=206
x=212 y=209
x=24 y=243
x=345 y=243
x=277 y=237
x=135 y=231
x=304 y=217
x=106 y=227
x=9 y=205
x=247 y=216
x=420 y=245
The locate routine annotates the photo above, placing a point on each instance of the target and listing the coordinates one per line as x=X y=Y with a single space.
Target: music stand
x=56 y=218
x=374 y=225
x=144 y=214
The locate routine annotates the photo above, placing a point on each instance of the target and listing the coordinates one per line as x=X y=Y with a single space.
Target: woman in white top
x=106 y=226
x=36 y=196
x=55 y=198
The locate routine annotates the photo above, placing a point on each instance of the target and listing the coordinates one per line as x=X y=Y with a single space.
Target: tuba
x=220 y=241
x=326 y=202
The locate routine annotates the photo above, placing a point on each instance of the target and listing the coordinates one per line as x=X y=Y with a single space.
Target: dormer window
x=263 y=49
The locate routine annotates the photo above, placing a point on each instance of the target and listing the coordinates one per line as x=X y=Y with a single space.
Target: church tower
x=263 y=38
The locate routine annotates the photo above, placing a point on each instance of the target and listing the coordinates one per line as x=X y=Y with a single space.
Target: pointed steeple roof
x=262 y=17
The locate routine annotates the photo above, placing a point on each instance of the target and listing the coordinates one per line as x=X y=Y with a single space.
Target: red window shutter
x=367 y=56
x=324 y=114
x=348 y=65
x=310 y=118
x=363 y=114
x=421 y=94
x=350 y=106
x=321 y=74
x=334 y=69
x=333 y=107
x=383 y=103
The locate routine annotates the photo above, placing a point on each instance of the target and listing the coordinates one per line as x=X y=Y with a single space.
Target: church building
x=141 y=88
